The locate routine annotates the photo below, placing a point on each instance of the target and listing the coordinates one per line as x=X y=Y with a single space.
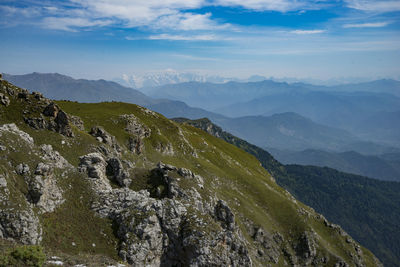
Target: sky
x=93 y=39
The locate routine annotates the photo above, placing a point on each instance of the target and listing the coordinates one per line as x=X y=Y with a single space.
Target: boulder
x=224 y=214
x=4 y=100
x=42 y=169
x=116 y=171
x=51 y=110
x=94 y=165
x=22 y=169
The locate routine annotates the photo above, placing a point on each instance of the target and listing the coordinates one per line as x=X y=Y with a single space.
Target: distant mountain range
x=61 y=87
x=284 y=131
x=368 y=110
x=379 y=167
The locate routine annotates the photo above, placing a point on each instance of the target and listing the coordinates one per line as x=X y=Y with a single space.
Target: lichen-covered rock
x=224 y=214
x=57 y=121
x=22 y=169
x=104 y=137
x=35 y=188
x=4 y=100
x=12 y=128
x=51 y=110
x=94 y=165
x=22 y=225
x=116 y=171
x=42 y=169
x=54 y=157
x=77 y=122
x=51 y=195
x=137 y=131
x=306 y=247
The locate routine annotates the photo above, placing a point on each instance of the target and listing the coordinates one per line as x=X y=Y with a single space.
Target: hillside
x=99 y=183
x=368 y=209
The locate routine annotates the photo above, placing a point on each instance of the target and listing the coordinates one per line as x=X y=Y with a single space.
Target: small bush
x=24 y=256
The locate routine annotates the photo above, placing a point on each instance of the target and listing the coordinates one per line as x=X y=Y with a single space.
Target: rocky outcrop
x=164 y=231
x=137 y=131
x=116 y=171
x=53 y=119
x=22 y=225
x=12 y=128
x=104 y=137
x=4 y=100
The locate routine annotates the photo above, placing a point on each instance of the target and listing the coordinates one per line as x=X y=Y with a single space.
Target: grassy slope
x=368 y=209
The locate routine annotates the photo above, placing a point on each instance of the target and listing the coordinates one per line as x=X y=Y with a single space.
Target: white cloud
x=276 y=5
x=304 y=32
x=374 y=5
x=177 y=37
x=70 y=24
x=159 y=14
x=367 y=25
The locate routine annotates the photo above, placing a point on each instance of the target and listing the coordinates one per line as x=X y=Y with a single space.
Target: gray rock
x=42 y=169
x=21 y=225
x=4 y=100
x=106 y=138
x=94 y=165
x=116 y=171
x=51 y=110
x=306 y=247
x=138 y=132
x=22 y=169
x=54 y=157
x=35 y=189
x=12 y=128
x=224 y=214
x=62 y=124
x=3 y=182
x=77 y=122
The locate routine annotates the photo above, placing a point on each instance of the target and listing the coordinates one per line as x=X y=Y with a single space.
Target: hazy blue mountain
x=372 y=116
x=212 y=96
x=350 y=162
x=57 y=86
x=173 y=109
x=379 y=86
x=287 y=131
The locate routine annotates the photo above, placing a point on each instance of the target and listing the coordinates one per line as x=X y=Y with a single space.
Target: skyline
x=106 y=39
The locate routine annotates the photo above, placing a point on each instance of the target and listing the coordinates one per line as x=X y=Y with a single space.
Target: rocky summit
x=105 y=184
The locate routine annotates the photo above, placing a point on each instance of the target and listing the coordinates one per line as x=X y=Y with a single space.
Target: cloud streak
x=367 y=25
x=374 y=5
x=305 y=32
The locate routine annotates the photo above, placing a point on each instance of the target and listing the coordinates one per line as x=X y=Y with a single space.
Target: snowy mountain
x=167 y=77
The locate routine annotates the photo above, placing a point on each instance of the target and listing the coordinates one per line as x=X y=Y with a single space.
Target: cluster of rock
x=155 y=230
x=137 y=131
x=53 y=119
x=19 y=214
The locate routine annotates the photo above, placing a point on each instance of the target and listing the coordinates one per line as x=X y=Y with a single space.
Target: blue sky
x=283 y=38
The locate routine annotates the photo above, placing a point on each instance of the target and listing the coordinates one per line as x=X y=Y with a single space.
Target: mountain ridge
x=334 y=193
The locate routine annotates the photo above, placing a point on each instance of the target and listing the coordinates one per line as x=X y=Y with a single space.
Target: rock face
x=53 y=119
x=4 y=100
x=164 y=231
x=21 y=225
x=137 y=131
